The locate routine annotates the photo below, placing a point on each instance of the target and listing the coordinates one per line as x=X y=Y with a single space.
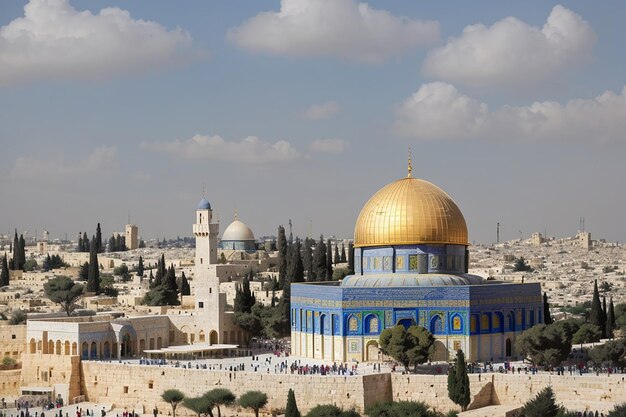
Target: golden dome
x=407 y=212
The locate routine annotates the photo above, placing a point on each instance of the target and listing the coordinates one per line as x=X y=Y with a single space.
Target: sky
x=303 y=109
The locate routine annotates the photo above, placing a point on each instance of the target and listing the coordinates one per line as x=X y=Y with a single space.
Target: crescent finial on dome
x=410 y=165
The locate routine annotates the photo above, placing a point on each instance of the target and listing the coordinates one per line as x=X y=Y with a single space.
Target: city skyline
x=517 y=111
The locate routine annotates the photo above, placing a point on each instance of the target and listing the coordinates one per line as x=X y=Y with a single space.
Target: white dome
x=237 y=231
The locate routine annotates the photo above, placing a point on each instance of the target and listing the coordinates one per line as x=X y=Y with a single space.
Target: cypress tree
x=162 y=265
x=295 y=273
x=452 y=390
x=244 y=299
x=140 y=267
x=547 y=318
x=337 y=258
x=343 y=254
x=16 y=258
x=281 y=245
x=185 y=289
x=22 y=252
x=291 y=410
x=604 y=312
x=351 y=258
x=610 y=320
x=462 y=381
x=151 y=279
x=99 y=239
x=93 y=279
x=170 y=288
x=329 y=261
x=319 y=260
x=4 y=273
x=595 y=315
x=79 y=248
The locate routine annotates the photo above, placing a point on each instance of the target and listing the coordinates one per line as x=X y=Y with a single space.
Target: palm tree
x=254 y=400
x=173 y=396
x=219 y=397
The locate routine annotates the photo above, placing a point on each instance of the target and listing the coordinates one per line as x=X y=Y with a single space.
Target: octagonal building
x=411 y=263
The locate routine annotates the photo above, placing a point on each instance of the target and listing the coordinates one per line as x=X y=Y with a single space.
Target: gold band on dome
x=407 y=212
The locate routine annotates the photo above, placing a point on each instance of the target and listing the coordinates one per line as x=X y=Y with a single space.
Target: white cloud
x=54 y=40
x=511 y=51
x=103 y=159
x=439 y=111
x=250 y=150
x=341 y=28
x=321 y=111
x=329 y=145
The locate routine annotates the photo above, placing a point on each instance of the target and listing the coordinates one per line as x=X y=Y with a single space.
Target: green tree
x=329 y=260
x=596 y=316
x=185 y=289
x=612 y=353
x=547 y=317
x=174 y=397
x=337 y=256
x=222 y=259
x=351 y=257
x=401 y=409
x=330 y=410
x=343 y=258
x=202 y=406
x=461 y=384
x=408 y=346
x=281 y=245
x=587 y=333
x=4 y=273
x=30 y=264
x=452 y=389
x=221 y=397
x=83 y=272
x=122 y=271
x=295 y=266
x=521 y=265
x=548 y=344
x=291 y=410
x=254 y=400
x=618 y=411
x=99 y=239
x=64 y=292
x=319 y=260
x=140 y=267
x=15 y=249
x=18 y=317
x=542 y=405
x=112 y=244
x=19 y=252
x=93 y=280
x=610 y=320
x=244 y=299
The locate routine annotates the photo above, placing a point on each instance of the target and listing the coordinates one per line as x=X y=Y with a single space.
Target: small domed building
x=238 y=237
x=411 y=267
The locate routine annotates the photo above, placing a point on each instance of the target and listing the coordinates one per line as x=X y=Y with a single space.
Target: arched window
x=473 y=323
x=353 y=324
x=436 y=324
x=457 y=323
x=371 y=324
x=485 y=323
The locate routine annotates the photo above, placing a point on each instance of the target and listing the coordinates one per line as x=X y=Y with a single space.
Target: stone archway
x=440 y=352
x=371 y=350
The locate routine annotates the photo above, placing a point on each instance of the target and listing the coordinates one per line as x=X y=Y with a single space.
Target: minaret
x=209 y=304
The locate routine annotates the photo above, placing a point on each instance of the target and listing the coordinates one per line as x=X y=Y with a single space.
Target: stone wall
x=10 y=382
x=142 y=386
x=12 y=340
x=59 y=371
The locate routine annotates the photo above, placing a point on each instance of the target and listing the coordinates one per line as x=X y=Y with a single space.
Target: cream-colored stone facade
x=12 y=340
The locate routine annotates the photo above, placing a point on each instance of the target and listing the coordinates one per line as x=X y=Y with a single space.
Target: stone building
x=411 y=267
